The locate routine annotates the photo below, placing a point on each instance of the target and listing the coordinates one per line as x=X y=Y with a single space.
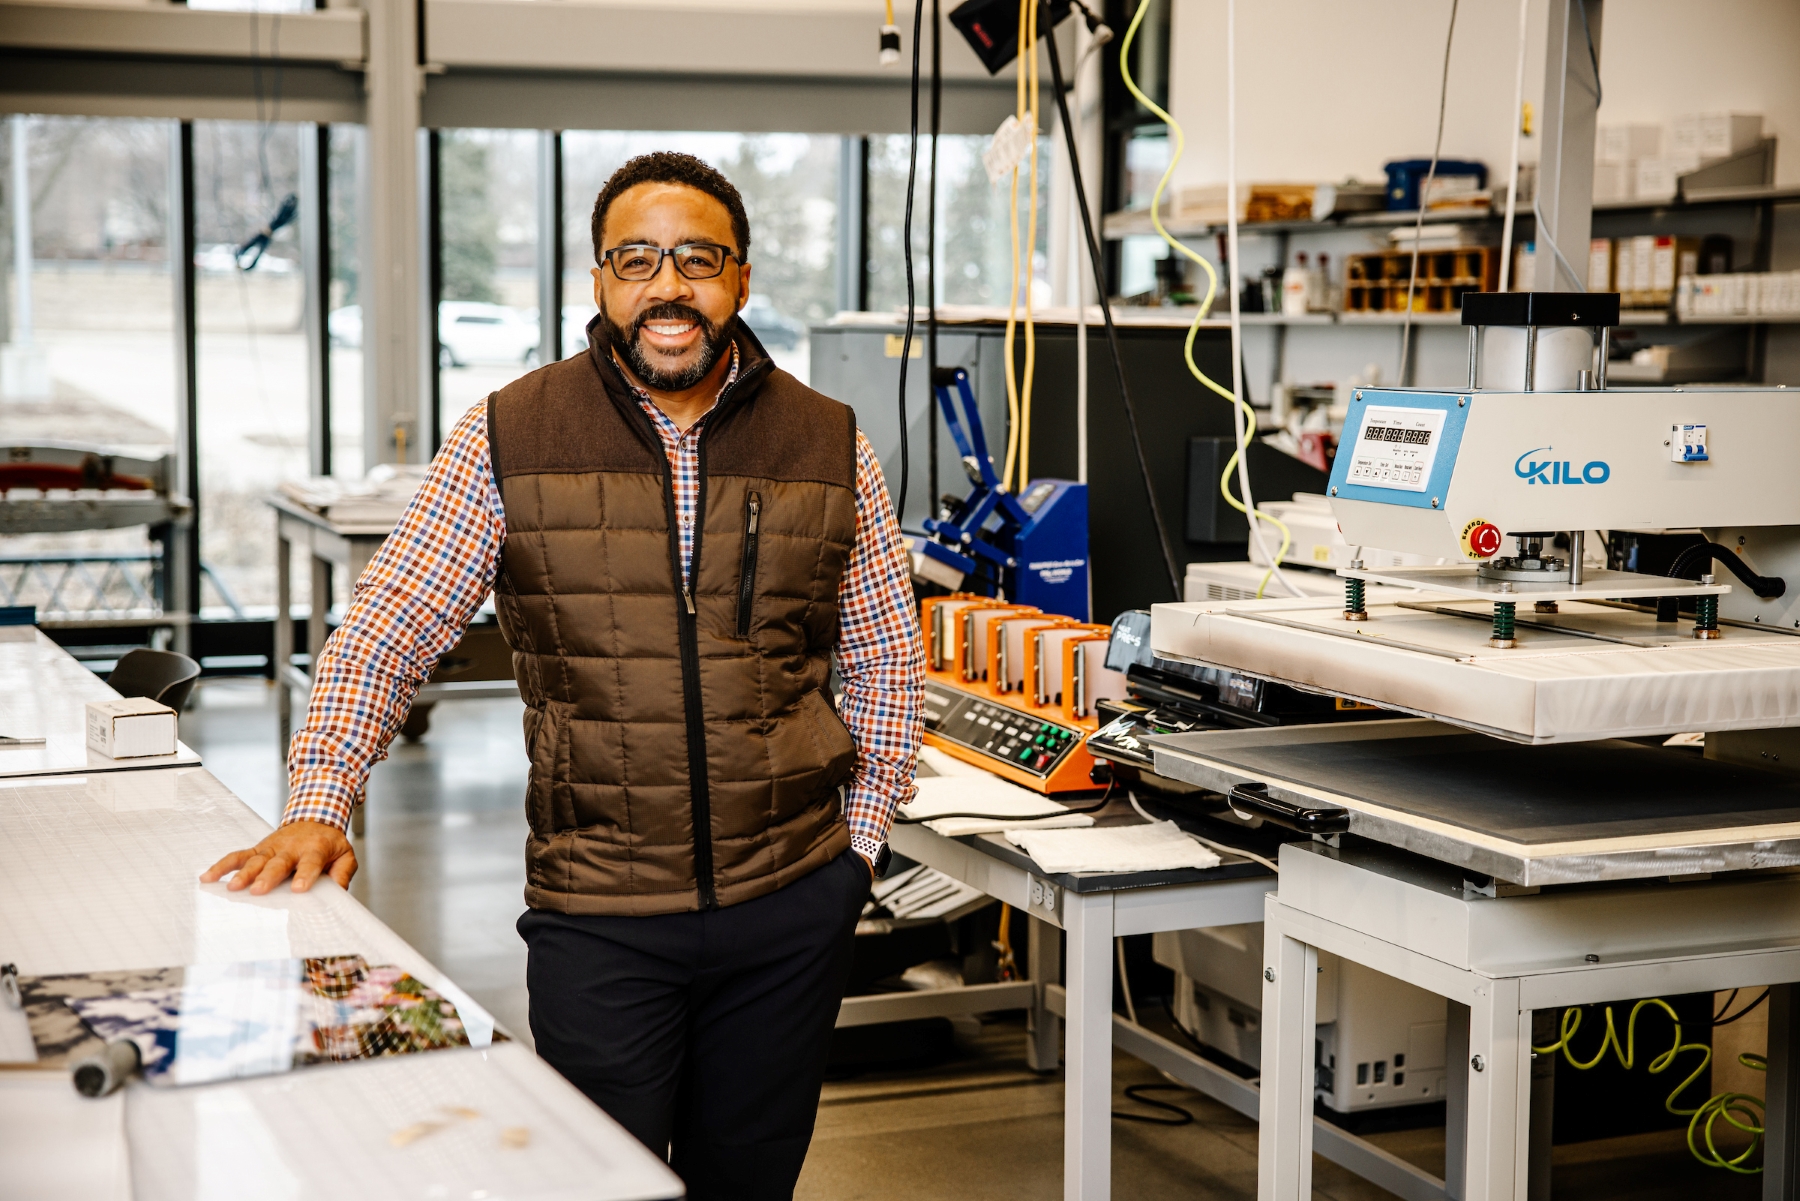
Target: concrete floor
x=442 y=863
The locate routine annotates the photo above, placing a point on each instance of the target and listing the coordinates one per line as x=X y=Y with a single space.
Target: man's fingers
x=307 y=870
x=229 y=863
x=251 y=864
x=274 y=872
x=343 y=867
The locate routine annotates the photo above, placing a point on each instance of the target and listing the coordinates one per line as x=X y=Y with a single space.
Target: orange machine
x=1005 y=732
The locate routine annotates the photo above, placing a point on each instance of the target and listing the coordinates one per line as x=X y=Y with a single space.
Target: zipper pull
x=755 y=510
x=687 y=595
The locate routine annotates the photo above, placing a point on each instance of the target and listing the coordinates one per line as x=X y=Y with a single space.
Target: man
x=678 y=536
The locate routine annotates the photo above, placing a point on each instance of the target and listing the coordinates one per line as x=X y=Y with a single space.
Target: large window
x=975 y=232
x=789 y=185
x=254 y=373
x=487 y=315
x=90 y=337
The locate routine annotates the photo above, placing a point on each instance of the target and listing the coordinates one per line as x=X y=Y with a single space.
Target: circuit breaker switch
x=1687 y=444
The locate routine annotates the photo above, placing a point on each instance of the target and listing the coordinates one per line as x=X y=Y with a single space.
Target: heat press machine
x=1031 y=549
x=1518 y=838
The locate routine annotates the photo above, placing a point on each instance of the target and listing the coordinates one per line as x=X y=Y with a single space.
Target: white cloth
x=1155 y=847
x=1007 y=805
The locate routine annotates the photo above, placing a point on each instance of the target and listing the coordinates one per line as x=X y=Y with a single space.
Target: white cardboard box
x=1715 y=135
x=1625 y=144
x=130 y=728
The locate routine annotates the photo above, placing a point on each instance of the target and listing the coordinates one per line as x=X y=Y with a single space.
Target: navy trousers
x=704 y=1034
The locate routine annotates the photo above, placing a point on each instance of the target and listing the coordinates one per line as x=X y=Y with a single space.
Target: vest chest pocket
x=747 y=569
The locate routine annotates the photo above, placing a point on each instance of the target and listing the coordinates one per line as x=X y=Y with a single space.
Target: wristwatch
x=882 y=858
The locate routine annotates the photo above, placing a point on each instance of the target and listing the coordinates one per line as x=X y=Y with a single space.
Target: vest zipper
x=747 y=571
x=699 y=795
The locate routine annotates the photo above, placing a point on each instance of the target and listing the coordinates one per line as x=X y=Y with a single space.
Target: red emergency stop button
x=1481 y=539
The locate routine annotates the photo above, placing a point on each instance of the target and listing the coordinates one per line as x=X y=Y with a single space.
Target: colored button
x=1026 y=754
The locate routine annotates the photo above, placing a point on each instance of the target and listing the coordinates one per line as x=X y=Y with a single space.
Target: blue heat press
x=1033 y=549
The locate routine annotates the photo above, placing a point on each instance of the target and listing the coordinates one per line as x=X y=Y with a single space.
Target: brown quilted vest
x=683 y=755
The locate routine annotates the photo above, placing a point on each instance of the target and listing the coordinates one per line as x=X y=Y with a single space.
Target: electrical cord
x=1136 y=1093
x=1437 y=149
x=1735 y=1108
x=912 y=172
x=1512 y=171
x=1244 y=417
x=1105 y=798
x=1726 y=1021
x=1019 y=390
x=1112 y=332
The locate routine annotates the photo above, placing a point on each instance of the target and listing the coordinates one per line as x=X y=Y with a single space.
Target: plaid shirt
x=437 y=567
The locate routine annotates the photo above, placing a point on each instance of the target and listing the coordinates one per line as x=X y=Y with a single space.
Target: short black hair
x=668 y=166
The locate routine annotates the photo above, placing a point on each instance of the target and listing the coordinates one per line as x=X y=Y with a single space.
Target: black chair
x=164 y=676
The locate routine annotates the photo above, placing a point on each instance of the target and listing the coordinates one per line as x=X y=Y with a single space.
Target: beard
x=644 y=362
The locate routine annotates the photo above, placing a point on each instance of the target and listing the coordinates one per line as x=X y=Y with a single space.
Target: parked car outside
x=772 y=328
x=468 y=332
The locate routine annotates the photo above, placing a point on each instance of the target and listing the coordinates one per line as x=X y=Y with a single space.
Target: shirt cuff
x=865 y=846
x=320 y=801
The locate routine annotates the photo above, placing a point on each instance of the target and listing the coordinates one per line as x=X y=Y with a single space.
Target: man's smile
x=670 y=335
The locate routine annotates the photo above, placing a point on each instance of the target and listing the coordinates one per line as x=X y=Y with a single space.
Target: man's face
x=669 y=329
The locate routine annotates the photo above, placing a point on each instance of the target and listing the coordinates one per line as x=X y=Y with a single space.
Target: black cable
x=1593 y=55
x=1717 y=1022
x=1112 y=333
x=1437 y=148
x=1193 y=1039
x=1098 y=805
x=912 y=174
x=931 y=318
x=1726 y=1007
x=1136 y=1093
x=1765 y=587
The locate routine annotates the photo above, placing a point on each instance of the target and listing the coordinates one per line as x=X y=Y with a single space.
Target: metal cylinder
x=1576 y=540
x=1474 y=357
x=104 y=1071
x=1605 y=353
x=1531 y=358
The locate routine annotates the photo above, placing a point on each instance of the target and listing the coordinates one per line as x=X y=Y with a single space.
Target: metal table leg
x=1499 y=1093
x=1456 y=1097
x=1781 y=1119
x=1087 y=1083
x=1290 y=1020
x=284 y=631
x=1043 y=1043
x=315 y=611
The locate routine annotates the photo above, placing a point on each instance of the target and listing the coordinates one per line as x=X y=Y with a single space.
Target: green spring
x=1353 y=596
x=1503 y=620
x=1706 y=612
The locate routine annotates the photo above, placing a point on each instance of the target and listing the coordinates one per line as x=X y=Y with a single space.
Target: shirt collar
x=656 y=413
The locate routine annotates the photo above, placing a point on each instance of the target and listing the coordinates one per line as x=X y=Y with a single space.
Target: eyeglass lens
x=695 y=261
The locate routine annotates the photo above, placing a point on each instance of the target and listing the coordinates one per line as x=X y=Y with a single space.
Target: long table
x=100 y=872
x=44 y=692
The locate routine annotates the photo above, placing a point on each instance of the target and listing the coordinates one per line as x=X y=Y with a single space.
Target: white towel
x=1156 y=847
x=1008 y=805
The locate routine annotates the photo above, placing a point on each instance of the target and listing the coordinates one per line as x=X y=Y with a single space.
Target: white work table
x=44 y=693
x=100 y=872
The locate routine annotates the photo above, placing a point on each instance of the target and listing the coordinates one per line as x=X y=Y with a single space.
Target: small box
x=1600 y=265
x=1624 y=144
x=1614 y=183
x=130 y=727
x=1715 y=135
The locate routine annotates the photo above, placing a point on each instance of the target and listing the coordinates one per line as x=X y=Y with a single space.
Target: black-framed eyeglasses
x=638 y=261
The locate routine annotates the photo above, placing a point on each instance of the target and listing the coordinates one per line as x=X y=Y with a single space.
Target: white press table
x=44 y=692
x=1092 y=909
x=100 y=872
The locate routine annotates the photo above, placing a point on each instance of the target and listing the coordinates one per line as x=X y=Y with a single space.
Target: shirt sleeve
x=880 y=660
x=411 y=604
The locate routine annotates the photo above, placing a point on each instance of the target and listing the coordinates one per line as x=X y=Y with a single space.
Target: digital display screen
x=1395 y=448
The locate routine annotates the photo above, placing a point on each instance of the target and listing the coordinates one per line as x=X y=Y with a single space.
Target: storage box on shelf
x=1744 y=295
x=1376 y=283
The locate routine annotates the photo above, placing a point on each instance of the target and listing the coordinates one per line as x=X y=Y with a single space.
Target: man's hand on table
x=303 y=850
